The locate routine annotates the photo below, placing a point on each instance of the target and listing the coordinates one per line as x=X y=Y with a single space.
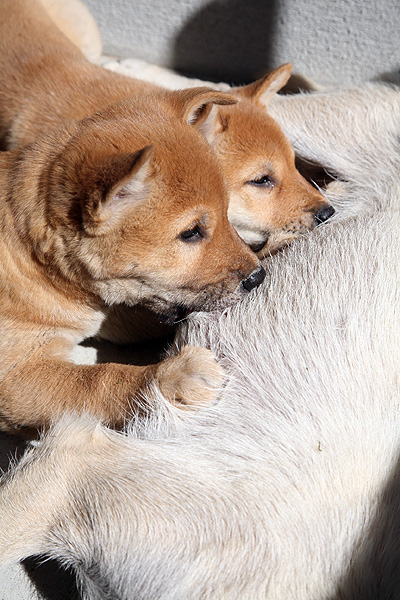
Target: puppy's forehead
x=185 y=163
x=254 y=131
x=182 y=159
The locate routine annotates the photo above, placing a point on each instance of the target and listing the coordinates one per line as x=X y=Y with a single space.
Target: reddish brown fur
x=250 y=145
x=92 y=215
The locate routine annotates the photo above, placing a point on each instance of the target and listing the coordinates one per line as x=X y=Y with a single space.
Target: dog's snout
x=324 y=214
x=254 y=280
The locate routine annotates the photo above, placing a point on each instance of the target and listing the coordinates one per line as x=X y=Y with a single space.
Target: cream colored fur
x=77 y=23
x=288 y=488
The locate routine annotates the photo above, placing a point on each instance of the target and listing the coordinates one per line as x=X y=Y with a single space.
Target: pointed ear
x=215 y=123
x=124 y=186
x=194 y=105
x=262 y=90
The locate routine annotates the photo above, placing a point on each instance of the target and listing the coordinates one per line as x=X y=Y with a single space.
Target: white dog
x=288 y=488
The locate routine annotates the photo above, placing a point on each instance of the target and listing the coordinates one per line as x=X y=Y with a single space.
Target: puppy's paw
x=191 y=379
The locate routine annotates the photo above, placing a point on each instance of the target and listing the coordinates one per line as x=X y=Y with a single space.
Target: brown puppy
x=270 y=202
x=127 y=205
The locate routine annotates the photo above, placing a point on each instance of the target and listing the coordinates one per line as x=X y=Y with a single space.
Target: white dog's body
x=288 y=488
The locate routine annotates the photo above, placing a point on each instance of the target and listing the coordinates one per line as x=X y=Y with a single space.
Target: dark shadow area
x=374 y=570
x=316 y=174
x=11 y=446
x=51 y=580
x=227 y=40
x=298 y=83
x=145 y=353
x=131 y=335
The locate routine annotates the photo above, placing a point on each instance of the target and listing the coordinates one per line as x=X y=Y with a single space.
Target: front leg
x=40 y=389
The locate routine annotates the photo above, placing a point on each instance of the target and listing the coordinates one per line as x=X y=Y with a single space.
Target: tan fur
x=127 y=205
x=252 y=146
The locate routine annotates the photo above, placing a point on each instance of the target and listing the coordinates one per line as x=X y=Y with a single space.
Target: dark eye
x=194 y=234
x=265 y=181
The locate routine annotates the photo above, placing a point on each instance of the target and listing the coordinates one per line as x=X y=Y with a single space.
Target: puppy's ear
x=122 y=184
x=262 y=90
x=194 y=105
x=216 y=122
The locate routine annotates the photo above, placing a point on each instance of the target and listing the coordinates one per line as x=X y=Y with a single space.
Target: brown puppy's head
x=134 y=209
x=270 y=203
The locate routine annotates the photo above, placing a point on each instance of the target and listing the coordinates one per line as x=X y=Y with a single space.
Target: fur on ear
x=123 y=186
x=194 y=105
x=215 y=123
x=262 y=90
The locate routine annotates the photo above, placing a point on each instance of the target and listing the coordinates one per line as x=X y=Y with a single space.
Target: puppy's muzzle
x=324 y=214
x=254 y=280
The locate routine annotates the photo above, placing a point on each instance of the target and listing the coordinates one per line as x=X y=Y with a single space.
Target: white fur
x=287 y=488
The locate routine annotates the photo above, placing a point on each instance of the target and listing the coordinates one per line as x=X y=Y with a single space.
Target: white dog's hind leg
x=34 y=494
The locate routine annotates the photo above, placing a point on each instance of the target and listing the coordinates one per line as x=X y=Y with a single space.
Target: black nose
x=254 y=280
x=324 y=214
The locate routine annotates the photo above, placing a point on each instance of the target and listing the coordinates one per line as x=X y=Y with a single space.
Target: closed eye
x=265 y=181
x=194 y=234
